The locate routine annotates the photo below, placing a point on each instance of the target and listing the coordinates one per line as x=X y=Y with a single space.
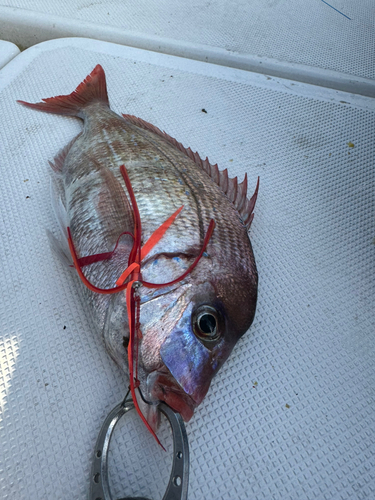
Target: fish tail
x=93 y=88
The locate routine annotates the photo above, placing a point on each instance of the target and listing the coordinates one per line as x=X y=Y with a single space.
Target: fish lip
x=165 y=388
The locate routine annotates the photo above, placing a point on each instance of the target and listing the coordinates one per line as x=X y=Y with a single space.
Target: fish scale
x=189 y=328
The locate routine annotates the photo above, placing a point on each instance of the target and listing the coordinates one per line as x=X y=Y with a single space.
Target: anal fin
x=59 y=250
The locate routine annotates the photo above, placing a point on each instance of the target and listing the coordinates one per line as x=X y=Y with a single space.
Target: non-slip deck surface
x=338 y=35
x=7 y=52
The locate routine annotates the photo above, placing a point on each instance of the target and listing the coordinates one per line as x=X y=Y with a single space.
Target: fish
x=122 y=182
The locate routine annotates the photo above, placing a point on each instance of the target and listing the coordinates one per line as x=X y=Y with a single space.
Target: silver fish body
x=190 y=328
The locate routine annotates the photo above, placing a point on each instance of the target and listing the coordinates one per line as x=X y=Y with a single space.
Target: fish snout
x=189 y=362
x=163 y=387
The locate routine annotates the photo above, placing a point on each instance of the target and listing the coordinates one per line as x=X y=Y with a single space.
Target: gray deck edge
x=26 y=28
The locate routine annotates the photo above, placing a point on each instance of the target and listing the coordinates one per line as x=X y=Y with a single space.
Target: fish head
x=187 y=333
x=187 y=336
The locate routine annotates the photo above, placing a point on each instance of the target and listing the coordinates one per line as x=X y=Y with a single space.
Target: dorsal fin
x=234 y=191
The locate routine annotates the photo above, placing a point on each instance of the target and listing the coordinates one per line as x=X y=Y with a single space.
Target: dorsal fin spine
x=241 y=194
x=224 y=179
x=232 y=192
x=229 y=185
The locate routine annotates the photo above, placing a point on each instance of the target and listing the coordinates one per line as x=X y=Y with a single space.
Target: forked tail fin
x=93 y=88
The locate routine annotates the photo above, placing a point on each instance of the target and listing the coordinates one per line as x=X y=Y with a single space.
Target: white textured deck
x=334 y=35
x=7 y=51
x=292 y=413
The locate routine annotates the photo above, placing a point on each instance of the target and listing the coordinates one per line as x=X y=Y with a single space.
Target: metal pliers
x=177 y=488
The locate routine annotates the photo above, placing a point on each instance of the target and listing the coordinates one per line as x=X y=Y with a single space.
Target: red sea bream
x=188 y=329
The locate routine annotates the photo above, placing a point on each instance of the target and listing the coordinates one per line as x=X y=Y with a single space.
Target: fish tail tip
x=93 y=88
x=24 y=103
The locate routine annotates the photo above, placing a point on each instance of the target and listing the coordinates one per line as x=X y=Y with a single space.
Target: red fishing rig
x=132 y=278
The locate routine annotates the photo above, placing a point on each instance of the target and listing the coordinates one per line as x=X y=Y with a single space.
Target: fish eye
x=206 y=323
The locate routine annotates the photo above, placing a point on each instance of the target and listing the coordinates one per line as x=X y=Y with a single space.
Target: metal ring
x=177 y=488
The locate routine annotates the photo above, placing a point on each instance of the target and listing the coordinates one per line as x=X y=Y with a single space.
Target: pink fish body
x=188 y=329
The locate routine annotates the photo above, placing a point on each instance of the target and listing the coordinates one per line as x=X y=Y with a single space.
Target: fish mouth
x=165 y=388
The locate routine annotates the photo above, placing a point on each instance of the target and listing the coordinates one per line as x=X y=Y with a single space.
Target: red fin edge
x=93 y=88
x=229 y=185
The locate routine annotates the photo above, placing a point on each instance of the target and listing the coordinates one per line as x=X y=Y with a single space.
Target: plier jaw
x=177 y=488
